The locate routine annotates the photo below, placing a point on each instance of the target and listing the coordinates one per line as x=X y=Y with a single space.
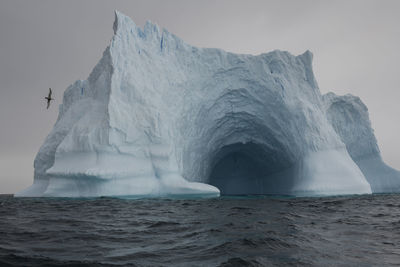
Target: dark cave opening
x=250 y=169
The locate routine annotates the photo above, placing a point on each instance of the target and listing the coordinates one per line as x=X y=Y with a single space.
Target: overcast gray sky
x=48 y=43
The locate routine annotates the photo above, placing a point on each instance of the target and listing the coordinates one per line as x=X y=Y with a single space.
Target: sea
x=361 y=230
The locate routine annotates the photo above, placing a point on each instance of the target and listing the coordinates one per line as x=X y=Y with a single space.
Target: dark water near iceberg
x=258 y=231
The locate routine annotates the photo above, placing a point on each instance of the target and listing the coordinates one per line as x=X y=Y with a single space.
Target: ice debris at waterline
x=159 y=117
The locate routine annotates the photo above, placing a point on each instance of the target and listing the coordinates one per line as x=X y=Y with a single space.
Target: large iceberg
x=159 y=117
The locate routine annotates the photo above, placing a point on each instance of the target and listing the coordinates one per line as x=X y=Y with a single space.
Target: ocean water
x=227 y=231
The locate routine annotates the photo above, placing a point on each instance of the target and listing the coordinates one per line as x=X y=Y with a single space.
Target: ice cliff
x=158 y=117
x=349 y=117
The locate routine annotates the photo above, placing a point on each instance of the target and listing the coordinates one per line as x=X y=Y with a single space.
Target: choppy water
x=262 y=231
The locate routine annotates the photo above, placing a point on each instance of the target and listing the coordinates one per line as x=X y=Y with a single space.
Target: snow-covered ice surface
x=158 y=117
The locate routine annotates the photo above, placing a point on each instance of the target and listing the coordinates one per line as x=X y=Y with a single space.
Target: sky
x=52 y=43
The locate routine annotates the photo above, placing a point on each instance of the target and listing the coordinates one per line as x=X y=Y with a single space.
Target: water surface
x=227 y=231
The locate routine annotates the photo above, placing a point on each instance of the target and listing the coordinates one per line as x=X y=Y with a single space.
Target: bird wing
x=48 y=103
x=49 y=93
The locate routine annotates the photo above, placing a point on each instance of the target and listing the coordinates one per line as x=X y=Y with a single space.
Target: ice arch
x=159 y=117
x=242 y=142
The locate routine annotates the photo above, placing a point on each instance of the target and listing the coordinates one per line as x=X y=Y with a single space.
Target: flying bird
x=48 y=98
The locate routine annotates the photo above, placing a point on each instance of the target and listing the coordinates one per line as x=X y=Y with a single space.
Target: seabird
x=48 y=98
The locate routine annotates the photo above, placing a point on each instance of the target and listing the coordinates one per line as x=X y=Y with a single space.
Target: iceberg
x=159 y=117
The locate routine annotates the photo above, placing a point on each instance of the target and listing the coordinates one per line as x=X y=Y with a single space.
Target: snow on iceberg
x=158 y=117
